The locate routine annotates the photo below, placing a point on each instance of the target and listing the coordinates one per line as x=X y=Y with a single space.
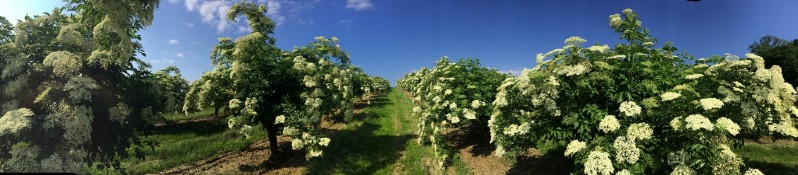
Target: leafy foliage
x=445 y=94
x=639 y=109
x=72 y=77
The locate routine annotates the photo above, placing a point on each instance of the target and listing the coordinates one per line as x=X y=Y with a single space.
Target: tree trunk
x=216 y=111
x=271 y=132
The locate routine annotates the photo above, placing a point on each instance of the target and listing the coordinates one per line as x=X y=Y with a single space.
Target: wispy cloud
x=173 y=41
x=161 y=61
x=214 y=13
x=173 y=1
x=188 y=24
x=359 y=4
x=514 y=72
x=179 y=54
x=345 y=22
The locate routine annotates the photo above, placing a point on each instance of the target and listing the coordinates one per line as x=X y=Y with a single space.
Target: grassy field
x=772 y=158
x=185 y=143
x=207 y=112
x=380 y=140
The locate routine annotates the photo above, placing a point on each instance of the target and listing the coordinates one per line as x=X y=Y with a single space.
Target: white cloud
x=345 y=22
x=173 y=1
x=179 y=54
x=214 y=13
x=173 y=41
x=161 y=61
x=188 y=24
x=359 y=4
x=191 y=4
x=513 y=72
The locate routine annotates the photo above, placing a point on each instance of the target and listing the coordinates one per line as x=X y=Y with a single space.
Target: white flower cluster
x=617 y=57
x=469 y=114
x=574 y=40
x=279 y=119
x=599 y=49
x=476 y=104
x=694 y=76
x=15 y=120
x=728 y=125
x=615 y=20
x=609 y=124
x=753 y=171
x=683 y=170
x=630 y=108
x=514 y=129
x=711 y=103
x=234 y=104
x=598 y=162
x=639 y=131
x=623 y=172
x=668 y=96
x=626 y=150
x=676 y=123
x=697 y=121
x=572 y=70
x=574 y=147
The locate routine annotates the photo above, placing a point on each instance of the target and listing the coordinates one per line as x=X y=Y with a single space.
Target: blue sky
x=390 y=38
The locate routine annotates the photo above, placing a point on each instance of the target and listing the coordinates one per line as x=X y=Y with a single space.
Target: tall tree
x=777 y=51
x=68 y=83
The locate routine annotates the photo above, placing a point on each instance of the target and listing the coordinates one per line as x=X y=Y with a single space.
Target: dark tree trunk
x=216 y=111
x=271 y=132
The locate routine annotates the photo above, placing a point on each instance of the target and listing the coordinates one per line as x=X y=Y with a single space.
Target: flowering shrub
x=637 y=109
x=451 y=95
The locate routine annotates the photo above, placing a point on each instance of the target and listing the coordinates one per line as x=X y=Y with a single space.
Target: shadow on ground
x=363 y=150
x=772 y=168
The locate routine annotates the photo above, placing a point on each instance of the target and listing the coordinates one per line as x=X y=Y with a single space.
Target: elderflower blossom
x=499 y=151
x=514 y=129
x=711 y=103
x=469 y=114
x=639 y=131
x=698 y=121
x=279 y=119
x=728 y=125
x=676 y=123
x=324 y=141
x=234 y=104
x=578 y=69
x=609 y=124
x=615 y=20
x=448 y=91
x=668 y=96
x=476 y=104
x=630 y=108
x=626 y=150
x=694 y=76
x=246 y=130
x=598 y=162
x=574 y=147
x=297 y=144
x=16 y=120
x=600 y=49
x=623 y=172
x=617 y=57
x=314 y=153
x=575 y=40
x=683 y=170
x=753 y=171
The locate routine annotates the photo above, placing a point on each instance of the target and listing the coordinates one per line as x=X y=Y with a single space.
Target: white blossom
x=753 y=171
x=574 y=40
x=279 y=119
x=609 y=124
x=574 y=147
x=469 y=114
x=694 y=76
x=711 y=103
x=630 y=108
x=324 y=141
x=683 y=170
x=698 y=121
x=639 y=131
x=600 y=49
x=615 y=20
x=617 y=57
x=728 y=125
x=476 y=104
x=626 y=150
x=16 y=120
x=297 y=144
x=676 y=123
x=623 y=172
x=598 y=162
x=668 y=96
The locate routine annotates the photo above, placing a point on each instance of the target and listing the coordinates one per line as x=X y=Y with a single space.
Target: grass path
x=380 y=140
